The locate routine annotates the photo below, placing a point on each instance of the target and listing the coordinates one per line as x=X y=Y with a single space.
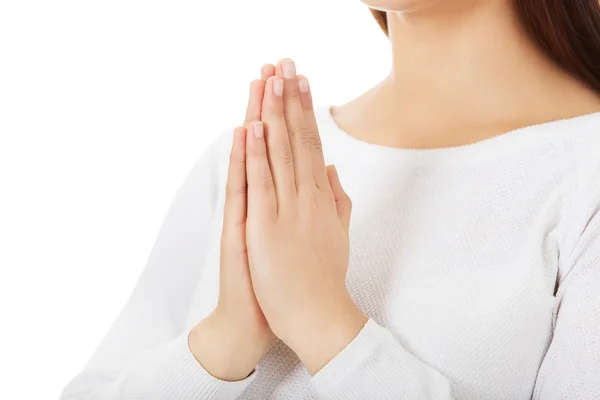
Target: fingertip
x=279 y=67
x=269 y=83
x=257 y=85
x=303 y=84
x=334 y=168
x=331 y=173
x=287 y=72
x=278 y=86
x=334 y=181
x=282 y=61
x=274 y=86
x=267 y=71
x=255 y=101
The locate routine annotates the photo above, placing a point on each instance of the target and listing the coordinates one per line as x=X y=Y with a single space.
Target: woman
x=470 y=268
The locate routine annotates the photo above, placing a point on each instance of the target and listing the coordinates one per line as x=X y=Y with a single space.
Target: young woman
x=470 y=268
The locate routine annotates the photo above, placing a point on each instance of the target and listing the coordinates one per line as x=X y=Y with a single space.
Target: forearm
x=168 y=370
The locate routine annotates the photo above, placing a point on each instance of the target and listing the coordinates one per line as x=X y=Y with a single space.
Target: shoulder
x=583 y=150
x=583 y=158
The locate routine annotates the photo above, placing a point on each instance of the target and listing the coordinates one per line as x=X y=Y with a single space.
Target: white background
x=104 y=107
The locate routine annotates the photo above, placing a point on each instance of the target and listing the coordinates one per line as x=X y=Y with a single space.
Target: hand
x=230 y=342
x=297 y=226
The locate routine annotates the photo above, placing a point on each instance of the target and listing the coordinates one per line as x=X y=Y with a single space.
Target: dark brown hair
x=567 y=30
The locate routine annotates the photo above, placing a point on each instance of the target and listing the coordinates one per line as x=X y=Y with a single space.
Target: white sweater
x=478 y=265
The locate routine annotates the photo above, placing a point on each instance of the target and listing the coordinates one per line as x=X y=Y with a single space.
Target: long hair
x=567 y=30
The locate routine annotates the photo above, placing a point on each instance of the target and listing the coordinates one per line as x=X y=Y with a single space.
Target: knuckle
x=241 y=190
x=303 y=134
x=293 y=93
x=234 y=190
x=307 y=106
x=275 y=111
x=267 y=184
x=239 y=223
x=286 y=153
x=316 y=142
x=255 y=153
x=231 y=233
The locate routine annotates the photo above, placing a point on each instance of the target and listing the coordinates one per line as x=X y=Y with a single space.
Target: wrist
x=225 y=351
x=323 y=337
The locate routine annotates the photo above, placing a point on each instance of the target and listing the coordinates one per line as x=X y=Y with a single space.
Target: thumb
x=342 y=201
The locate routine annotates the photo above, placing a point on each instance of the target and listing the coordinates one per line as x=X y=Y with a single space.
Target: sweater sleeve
x=571 y=367
x=375 y=365
x=145 y=353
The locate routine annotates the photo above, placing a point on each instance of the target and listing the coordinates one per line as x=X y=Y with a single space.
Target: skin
x=280 y=195
x=235 y=336
x=462 y=71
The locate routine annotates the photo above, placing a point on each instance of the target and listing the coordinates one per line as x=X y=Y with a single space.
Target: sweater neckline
x=550 y=133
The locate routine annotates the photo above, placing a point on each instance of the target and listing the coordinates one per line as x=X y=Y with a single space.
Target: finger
x=255 y=100
x=318 y=160
x=261 y=194
x=343 y=203
x=234 y=220
x=279 y=149
x=300 y=136
x=267 y=71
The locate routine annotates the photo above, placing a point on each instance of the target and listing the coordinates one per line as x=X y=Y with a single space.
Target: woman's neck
x=462 y=71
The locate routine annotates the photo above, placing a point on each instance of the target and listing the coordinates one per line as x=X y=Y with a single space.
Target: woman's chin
x=394 y=5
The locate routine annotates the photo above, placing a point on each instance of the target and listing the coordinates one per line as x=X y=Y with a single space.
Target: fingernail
x=257 y=127
x=289 y=69
x=278 y=87
x=303 y=84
